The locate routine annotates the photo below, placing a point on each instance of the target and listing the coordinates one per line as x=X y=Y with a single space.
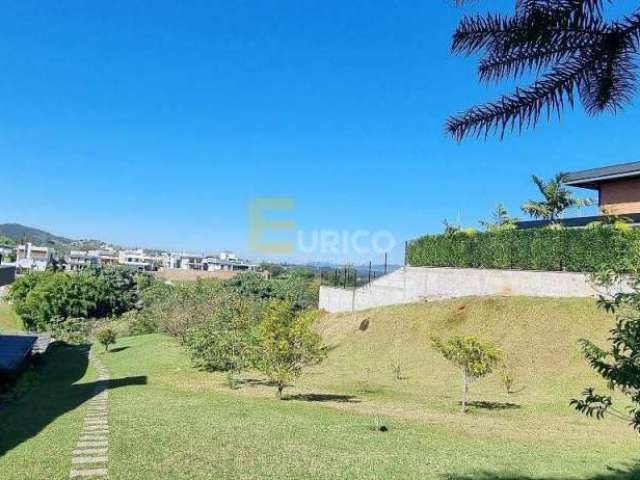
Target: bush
x=573 y=250
x=225 y=341
x=106 y=336
x=41 y=297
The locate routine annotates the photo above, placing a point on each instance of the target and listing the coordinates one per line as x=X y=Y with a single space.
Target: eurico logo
x=263 y=227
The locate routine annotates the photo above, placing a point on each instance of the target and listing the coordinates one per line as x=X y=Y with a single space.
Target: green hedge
x=572 y=250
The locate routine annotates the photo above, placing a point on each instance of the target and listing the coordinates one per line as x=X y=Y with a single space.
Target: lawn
x=186 y=424
x=9 y=321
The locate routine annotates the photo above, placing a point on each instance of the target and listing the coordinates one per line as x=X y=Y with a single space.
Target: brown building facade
x=618 y=187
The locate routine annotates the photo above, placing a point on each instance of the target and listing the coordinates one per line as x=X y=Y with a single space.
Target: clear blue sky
x=155 y=123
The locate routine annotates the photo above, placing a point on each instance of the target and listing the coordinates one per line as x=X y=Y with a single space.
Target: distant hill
x=20 y=233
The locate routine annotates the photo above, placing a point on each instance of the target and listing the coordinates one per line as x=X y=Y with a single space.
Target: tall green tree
x=288 y=343
x=556 y=199
x=571 y=48
x=474 y=357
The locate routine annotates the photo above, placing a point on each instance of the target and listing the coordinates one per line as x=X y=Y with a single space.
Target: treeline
x=248 y=321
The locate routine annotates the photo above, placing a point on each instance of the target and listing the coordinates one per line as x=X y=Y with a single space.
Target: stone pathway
x=89 y=459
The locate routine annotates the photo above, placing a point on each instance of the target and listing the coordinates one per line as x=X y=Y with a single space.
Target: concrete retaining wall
x=7 y=274
x=415 y=284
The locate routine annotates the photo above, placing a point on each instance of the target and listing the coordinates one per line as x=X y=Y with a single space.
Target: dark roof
x=14 y=349
x=593 y=177
x=575 y=222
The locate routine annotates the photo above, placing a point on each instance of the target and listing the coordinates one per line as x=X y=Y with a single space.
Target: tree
x=569 y=46
x=618 y=363
x=501 y=220
x=475 y=358
x=225 y=341
x=106 y=336
x=287 y=343
x=556 y=199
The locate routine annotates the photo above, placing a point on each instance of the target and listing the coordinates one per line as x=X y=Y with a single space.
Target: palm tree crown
x=556 y=199
x=567 y=44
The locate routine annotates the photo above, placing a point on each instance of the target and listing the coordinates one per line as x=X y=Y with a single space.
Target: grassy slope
x=185 y=424
x=40 y=429
x=9 y=321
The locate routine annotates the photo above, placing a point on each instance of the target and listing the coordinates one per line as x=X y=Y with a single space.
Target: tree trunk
x=465 y=389
x=280 y=388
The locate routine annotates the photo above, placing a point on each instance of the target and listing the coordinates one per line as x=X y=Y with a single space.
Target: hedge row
x=571 y=250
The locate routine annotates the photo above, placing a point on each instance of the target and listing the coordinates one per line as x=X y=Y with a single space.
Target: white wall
x=415 y=284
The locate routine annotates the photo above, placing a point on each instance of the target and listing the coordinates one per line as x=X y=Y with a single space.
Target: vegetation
x=570 y=46
x=501 y=220
x=556 y=199
x=287 y=343
x=618 y=363
x=552 y=249
x=43 y=298
x=324 y=428
x=106 y=336
x=472 y=356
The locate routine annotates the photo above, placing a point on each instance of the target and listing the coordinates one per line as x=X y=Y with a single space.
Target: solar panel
x=14 y=349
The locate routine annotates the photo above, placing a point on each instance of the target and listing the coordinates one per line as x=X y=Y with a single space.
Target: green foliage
x=556 y=199
x=287 y=343
x=224 y=341
x=74 y=331
x=618 y=363
x=41 y=297
x=106 y=336
x=501 y=220
x=573 y=250
x=474 y=357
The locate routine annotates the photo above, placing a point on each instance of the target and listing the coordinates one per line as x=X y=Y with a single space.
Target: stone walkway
x=91 y=455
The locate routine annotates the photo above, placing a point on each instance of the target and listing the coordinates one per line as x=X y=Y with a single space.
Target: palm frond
x=524 y=107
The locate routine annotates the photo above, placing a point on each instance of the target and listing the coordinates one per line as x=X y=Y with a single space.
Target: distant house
x=78 y=259
x=618 y=187
x=618 y=190
x=30 y=257
x=137 y=259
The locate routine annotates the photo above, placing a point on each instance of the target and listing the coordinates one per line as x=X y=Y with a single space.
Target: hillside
x=18 y=233
x=160 y=407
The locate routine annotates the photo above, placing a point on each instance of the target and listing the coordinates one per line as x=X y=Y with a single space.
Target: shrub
x=574 y=250
x=41 y=297
x=106 y=336
x=225 y=340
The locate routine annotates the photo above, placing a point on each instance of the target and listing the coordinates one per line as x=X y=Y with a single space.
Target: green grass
x=9 y=321
x=186 y=424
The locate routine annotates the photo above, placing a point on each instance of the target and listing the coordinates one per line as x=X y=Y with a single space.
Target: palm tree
x=570 y=48
x=556 y=200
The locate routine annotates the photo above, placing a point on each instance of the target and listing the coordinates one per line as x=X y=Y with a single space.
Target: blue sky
x=155 y=124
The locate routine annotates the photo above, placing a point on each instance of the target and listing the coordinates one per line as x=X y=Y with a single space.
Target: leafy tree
x=475 y=358
x=556 y=199
x=618 y=363
x=501 y=220
x=287 y=343
x=225 y=340
x=106 y=336
x=570 y=46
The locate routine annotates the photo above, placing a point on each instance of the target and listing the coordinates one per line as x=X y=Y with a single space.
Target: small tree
x=501 y=220
x=287 y=343
x=474 y=357
x=106 y=336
